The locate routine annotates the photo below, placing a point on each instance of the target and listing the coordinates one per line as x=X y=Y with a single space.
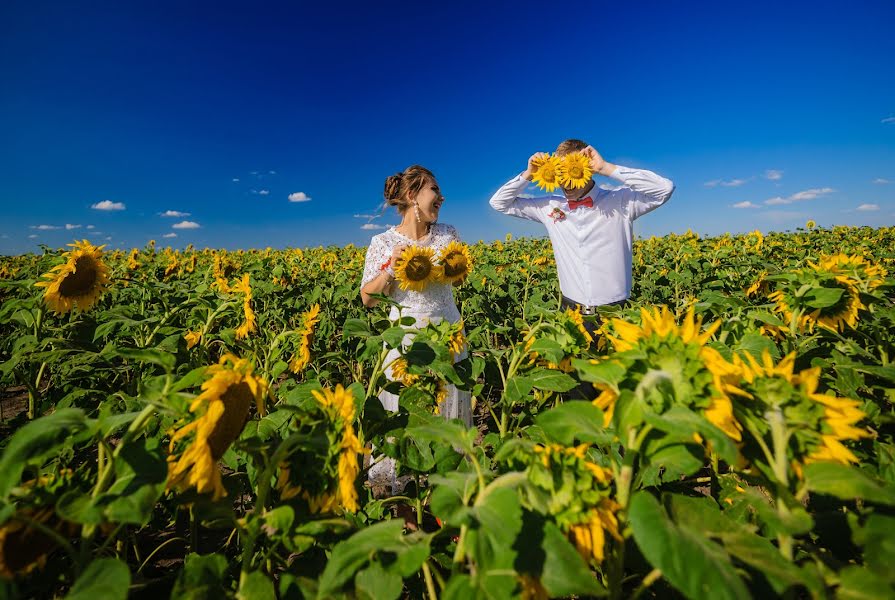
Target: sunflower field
x=200 y=423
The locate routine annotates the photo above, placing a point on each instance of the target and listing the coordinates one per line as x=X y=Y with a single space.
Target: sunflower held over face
x=220 y=413
x=79 y=281
x=546 y=174
x=416 y=269
x=574 y=171
x=455 y=262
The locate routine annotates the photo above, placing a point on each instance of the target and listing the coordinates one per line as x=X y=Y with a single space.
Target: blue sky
x=764 y=114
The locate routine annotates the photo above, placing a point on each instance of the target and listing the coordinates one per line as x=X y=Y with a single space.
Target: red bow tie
x=573 y=204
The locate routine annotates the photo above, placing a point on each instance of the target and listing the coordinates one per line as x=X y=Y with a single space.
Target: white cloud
x=363 y=216
x=773 y=174
x=108 y=205
x=263 y=192
x=236 y=180
x=727 y=183
x=174 y=213
x=799 y=196
x=32 y=236
x=91 y=227
x=372 y=226
x=69 y=226
x=170 y=235
x=96 y=233
x=300 y=197
x=888 y=120
x=745 y=204
x=253 y=173
x=881 y=181
x=868 y=207
x=272 y=172
x=186 y=225
x=811 y=194
x=45 y=227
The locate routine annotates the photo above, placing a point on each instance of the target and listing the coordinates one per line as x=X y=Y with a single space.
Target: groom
x=591 y=229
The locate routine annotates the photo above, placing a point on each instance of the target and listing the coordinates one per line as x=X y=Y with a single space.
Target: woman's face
x=429 y=201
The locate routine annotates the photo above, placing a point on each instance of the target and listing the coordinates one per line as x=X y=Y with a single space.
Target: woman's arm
x=381 y=284
x=379 y=271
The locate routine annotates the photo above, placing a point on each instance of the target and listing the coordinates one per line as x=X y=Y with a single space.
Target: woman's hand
x=397 y=251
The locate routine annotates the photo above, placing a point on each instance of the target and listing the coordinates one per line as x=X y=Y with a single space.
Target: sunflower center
x=454 y=264
x=237 y=400
x=418 y=268
x=80 y=282
x=576 y=172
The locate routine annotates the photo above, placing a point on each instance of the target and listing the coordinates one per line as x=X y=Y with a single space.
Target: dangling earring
x=416 y=210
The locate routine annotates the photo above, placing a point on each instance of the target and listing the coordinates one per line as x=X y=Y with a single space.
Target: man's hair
x=569 y=146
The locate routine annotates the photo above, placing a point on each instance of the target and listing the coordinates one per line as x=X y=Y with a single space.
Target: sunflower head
x=817 y=424
x=79 y=281
x=302 y=356
x=574 y=171
x=23 y=546
x=219 y=415
x=416 y=269
x=546 y=174
x=455 y=262
x=669 y=363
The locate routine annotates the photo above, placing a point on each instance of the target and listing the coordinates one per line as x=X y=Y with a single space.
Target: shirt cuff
x=620 y=173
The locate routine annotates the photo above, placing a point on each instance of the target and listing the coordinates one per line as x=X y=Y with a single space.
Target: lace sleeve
x=377 y=253
x=452 y=234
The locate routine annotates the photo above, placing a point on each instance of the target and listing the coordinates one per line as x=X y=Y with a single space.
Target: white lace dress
x=433 y=304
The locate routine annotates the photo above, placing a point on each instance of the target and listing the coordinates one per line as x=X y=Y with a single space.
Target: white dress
x=433 y=304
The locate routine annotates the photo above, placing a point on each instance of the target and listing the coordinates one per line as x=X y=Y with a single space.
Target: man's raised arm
x=507 y=200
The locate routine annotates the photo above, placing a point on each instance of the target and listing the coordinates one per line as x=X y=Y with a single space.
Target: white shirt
x=592 y=246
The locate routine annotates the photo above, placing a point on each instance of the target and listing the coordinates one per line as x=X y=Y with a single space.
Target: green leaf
x=823 y=297
x=549 y=556
x=518 y=388
x=758 y=552
x=141 y=473
x=255 y=586
x=878 y=542
x=356 y=328
x=845 y=483
x=858 y=583
x=202 y=578
x=574 y=420
x=37 y=441
x=609 y=372
x=350 y=555
x=394 y=336
x=693 y=564
x=165 y=360
x=684 y=423
x=756 y=344
x=375 y=583
x=551 y=380
x=106 y=578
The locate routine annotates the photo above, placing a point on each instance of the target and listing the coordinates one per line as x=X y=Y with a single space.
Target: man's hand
x=597 y=164
x=529 y=171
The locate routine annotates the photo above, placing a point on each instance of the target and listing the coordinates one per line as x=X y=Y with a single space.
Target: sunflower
x=24 y=547
x=340 y=404
x=546 y=174
x=132 y=262
x=221 y=412
x=457 y=341
x=699 y=375
x=574 y=171
x=758 y=286
x=192 y=338
x=531 y=587
x=455 y=262
x=245 y=288
x=817 y=423
x=400 y=373
x=79 y=281
x=589 y=536
x=303 y=356
x=415 y=270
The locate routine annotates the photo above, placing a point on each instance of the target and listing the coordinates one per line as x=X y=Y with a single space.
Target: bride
x=416 y=196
